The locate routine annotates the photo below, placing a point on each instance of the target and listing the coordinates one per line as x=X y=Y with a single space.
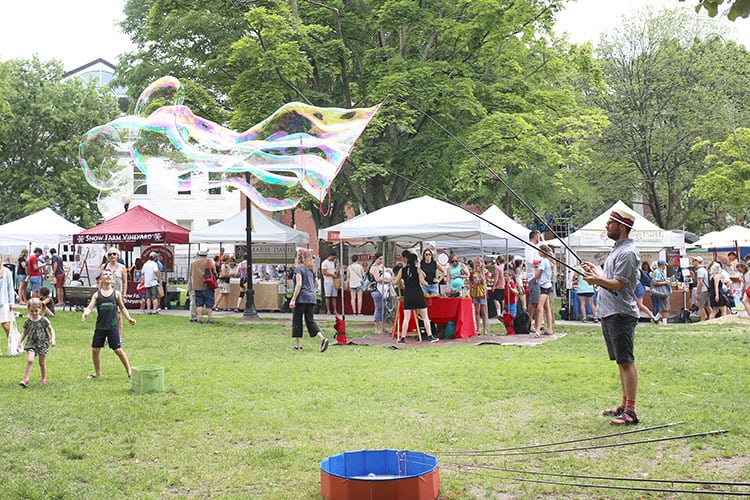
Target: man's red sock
x=630 y=405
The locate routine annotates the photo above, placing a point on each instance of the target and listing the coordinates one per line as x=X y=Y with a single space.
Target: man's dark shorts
x=204 y=298
x=534 y=291
x=111 y=336
x=619 y=334
x=152 y=292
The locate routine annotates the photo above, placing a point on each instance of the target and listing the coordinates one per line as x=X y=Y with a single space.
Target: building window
x=184 y=184
x=212 y=222
x=139 y=182
x=186 y=223
x=213 y=177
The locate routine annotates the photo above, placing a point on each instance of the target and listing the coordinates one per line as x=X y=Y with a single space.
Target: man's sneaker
x=324 y=345
x=432 y=339
x=296 y=348
x=402 y=341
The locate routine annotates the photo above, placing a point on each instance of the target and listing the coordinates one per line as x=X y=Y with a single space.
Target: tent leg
x=341 y=274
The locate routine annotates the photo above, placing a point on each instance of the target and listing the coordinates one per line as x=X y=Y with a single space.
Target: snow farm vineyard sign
x=137 y=238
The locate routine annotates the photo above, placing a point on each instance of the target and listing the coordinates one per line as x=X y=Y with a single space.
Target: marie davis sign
x=268 y=253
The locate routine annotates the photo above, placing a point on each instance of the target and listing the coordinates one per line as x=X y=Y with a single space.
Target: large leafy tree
x=42 y=120
x=442 y=68
x=540 y=143
x=725 y=186
x=669 y=88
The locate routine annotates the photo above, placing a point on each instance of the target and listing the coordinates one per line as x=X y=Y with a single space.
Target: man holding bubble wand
x=618 y=309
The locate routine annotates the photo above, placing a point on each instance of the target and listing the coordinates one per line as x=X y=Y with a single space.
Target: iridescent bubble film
x=163 y=144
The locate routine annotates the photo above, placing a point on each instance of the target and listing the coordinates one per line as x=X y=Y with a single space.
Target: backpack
x=368 y=283
x=729 y=297
x=684 y=316
x=522 y=322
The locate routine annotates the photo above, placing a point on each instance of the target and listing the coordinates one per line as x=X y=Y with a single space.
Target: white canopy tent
x=515 y=236
x=590 y=242
x=43 y=229
x=646 y=235
x=415 y=220
x=731 y=237
x=233 y=230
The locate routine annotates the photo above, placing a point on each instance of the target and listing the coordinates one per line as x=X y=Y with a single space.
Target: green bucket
x=147 y=378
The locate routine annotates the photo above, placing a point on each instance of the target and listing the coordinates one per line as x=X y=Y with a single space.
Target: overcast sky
x=75 y=31
x=79 y=31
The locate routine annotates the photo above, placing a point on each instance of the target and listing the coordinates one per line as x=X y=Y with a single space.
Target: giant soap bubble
x=298 y=145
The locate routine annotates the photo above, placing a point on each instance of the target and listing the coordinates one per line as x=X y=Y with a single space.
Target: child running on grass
x=40 y=336
x=107 y=301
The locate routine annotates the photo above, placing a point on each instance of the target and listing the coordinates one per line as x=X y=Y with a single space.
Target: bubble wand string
x=499 y=178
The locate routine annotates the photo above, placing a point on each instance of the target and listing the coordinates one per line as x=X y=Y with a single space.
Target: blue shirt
x=584 y=286
x=622 y=265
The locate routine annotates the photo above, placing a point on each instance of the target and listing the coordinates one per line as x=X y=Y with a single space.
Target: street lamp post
x=250 y=313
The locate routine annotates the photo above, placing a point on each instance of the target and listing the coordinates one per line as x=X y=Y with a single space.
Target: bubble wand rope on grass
x=609 y=478
x=559 y=443
x=496 y=176
x=620 y=487
x=599 y=446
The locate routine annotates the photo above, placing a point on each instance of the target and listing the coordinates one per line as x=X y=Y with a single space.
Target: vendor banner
x=268 y=253
x=105 y=239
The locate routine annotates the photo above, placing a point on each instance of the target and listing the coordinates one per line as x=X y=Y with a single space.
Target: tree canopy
x=450 y=74
x=724 y=187
x=669 y=87
x=43 y=119
x=481 y=100
x=737 y=8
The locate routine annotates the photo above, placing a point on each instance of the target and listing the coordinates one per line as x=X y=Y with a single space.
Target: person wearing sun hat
x=618 y=309
x=203 y=295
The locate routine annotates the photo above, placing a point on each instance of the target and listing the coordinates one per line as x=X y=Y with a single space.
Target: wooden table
x=267 y=296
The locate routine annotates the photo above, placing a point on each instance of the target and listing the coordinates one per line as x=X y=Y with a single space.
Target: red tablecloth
x=443 y=309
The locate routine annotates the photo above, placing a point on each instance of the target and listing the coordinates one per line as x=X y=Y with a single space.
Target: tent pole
x=341 y=276
x=250 y=313
x=484 y=285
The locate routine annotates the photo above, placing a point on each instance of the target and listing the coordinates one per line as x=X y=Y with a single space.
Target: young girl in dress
x=478 y=280
x=40 y=336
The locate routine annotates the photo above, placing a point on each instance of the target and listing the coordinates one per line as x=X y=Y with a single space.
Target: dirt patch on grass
x=730 y=319
x=728 y=467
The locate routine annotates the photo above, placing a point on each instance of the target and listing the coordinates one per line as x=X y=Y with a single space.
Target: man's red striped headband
x=626 y=220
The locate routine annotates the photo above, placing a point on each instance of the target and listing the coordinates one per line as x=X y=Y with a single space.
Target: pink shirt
x=499 y=278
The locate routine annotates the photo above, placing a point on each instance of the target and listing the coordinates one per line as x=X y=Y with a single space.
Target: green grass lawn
x=244 y=417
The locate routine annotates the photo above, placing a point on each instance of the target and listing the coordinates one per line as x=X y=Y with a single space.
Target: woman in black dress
x=413 y=280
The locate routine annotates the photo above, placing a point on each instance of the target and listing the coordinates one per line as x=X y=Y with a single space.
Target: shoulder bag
x=368 y=283
x=661 y=292
x=208 y=278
